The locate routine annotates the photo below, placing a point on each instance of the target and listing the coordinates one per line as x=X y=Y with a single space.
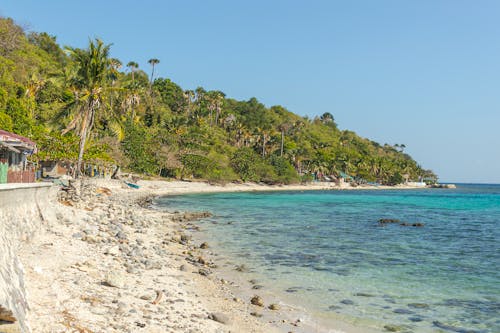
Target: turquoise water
x=326 y=251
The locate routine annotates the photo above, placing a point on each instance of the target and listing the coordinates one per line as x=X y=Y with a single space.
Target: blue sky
x=423 y=73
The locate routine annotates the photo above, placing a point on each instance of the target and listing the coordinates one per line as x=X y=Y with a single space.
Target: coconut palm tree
x=152 y=62
x=133 y=66
x=189 y=95
x=215 y=101
x=89 y=86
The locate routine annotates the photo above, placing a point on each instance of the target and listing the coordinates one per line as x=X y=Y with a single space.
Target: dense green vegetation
x=80 y=104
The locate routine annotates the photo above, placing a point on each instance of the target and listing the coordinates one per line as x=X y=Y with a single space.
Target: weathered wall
x=23 y=208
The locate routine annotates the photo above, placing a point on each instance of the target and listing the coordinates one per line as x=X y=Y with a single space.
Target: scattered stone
x=121 y=235
x=113 y=251
x=115 y=279
x=132 y=270
x=418 y=305
x=291 y=290
x=392 y=328
x=257 y=300
x=204 y=245
x=183 y=268
x=405 y=224
x=347 y=302
x=185 y=238
x=256 y=314
x=241 y=268
x=6 y=315
x=176 y=238
x=384 y=221
x=274 y=307
x=334 y=307
x=257 y=287
x=139 y=324
x=446 y=327
x=363 y=295
x=204 y=272
x=219 y=317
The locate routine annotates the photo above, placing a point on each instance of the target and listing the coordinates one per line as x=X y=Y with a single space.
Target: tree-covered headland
x=83 y=106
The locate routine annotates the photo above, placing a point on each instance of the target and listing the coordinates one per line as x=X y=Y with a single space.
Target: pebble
x=115 y=279
x=418 y=305
x=392 y=328
x=132 y=270
x=219 y=317
x=257 y=300
x=114 y=251
x=274 y=307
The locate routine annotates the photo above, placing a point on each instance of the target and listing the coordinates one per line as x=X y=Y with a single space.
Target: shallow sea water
x=326 y=251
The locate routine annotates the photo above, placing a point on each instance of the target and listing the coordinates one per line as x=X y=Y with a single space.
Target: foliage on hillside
x=158 y=128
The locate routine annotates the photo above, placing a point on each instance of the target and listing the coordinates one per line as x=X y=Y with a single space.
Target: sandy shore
x=110 y=263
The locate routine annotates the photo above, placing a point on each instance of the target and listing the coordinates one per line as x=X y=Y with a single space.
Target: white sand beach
x=111 y=263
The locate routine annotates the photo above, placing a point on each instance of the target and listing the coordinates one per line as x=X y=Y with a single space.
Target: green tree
x=90 y=83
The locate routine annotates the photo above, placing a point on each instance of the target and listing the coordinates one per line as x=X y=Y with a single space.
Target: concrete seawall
x=23 y=209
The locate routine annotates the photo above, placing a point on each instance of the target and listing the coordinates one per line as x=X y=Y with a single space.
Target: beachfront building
x=14 y=165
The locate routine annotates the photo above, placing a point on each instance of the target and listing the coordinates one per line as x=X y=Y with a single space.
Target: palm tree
x=90 y=84
x=132 y=65
x=284 y=128
x=215 y=101
x=115 y=65
x=189 y=95
x=152 y=62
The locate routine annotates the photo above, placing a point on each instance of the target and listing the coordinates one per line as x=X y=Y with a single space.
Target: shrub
x=285 y=172
x=245 y=162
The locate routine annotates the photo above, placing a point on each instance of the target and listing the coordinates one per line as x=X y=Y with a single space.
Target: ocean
x=327 y=252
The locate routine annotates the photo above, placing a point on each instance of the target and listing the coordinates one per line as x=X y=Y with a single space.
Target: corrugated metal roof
x=8 y=136
x=15 y=142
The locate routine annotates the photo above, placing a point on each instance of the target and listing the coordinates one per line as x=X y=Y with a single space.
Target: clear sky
x=424 y=73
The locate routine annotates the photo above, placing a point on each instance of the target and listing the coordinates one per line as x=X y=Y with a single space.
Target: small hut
x=14 y=166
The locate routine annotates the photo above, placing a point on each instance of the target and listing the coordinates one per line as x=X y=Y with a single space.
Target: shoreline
x=109 y=264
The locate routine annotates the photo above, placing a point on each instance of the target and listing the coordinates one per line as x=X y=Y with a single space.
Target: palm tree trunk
x=152 y=74
x=151 y=80
x=263 y=145
x=282 y=141
x=83 y=139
